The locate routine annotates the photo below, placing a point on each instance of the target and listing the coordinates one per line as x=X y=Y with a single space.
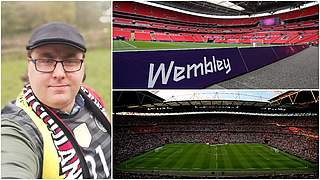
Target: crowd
x=124 y=175
x=216 y=119
x=134 y=135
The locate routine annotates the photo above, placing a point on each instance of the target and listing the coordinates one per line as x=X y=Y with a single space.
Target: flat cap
x=56 y=33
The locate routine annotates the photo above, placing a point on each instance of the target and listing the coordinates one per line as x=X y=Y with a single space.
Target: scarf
x=62 y=156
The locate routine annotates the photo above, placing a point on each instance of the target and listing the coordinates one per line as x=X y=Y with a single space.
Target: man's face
x=56 y=89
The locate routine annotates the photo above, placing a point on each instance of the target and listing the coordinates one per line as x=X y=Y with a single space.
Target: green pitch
x=148 y=45
x=216 y=158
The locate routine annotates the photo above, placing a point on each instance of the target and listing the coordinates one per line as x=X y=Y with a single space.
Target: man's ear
x=25 y=76
x=29 y=53
x=84 y=76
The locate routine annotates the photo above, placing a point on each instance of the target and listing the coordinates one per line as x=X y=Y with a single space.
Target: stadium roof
x=144 y=102
x=233 y=8
x=297 y=98
x=246 y=95
x=129 y=98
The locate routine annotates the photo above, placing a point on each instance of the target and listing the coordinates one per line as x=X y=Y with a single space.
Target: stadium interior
x=145 y=123
x=287 y=122
x=136 y=21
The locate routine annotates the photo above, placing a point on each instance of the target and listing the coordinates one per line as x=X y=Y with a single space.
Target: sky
x=248 y=95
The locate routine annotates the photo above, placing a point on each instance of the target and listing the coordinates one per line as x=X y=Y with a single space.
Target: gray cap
x=56 y=33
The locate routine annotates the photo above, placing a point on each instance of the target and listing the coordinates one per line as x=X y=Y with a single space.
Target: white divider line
x=129 y=44
x=216 y=157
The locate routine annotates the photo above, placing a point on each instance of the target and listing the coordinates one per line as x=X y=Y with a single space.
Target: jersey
x=91 y=136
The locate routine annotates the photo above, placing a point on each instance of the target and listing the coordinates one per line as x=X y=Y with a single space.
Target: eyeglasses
x=48 y=65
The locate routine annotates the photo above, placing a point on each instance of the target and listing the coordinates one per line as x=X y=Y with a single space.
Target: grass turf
x=148 y=45
x=228 y=157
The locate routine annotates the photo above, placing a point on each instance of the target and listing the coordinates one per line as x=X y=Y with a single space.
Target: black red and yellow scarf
x=62 y=156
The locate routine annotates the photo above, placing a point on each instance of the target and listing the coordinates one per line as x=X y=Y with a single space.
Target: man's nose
x=59 y=71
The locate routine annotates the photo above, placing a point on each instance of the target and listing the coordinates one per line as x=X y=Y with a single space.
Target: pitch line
x=129 y=44
x=216 y=158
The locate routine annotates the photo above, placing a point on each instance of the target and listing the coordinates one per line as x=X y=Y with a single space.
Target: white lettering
x=90 y=159
x=34 y=105
x=177 y=74
x=227 y=66
x=30 y=99
x=195 y=67
x=165 y=76
x=58 y=135
x=63 y=140
x=66 y=156
x=27 y=92
x=103 y=160
x=43 y=114
x=50 y=121
x=73 y=174
x=188 y=71
x=220 y=65
x=54 y=127
x=214 y=63
x=209 y=64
